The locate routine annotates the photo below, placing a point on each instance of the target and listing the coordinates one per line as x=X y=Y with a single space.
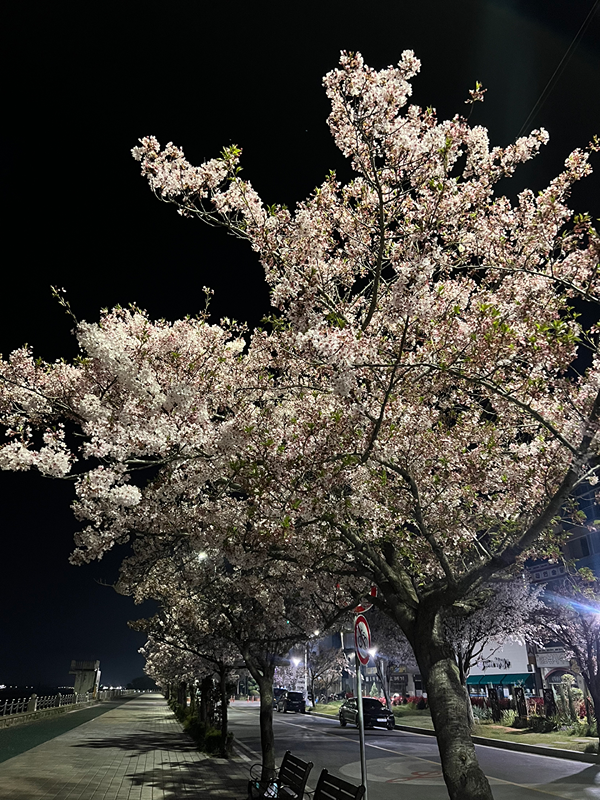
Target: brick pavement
x=136 y=751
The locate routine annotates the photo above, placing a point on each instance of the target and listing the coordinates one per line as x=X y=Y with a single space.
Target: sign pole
x=362 y=641
x=361 y=728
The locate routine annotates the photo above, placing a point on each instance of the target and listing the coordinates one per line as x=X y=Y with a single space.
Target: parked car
x=277 y=694
x=374 y=712
x=291 y=701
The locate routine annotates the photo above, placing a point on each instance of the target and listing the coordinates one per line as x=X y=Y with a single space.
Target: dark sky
x=83 y=81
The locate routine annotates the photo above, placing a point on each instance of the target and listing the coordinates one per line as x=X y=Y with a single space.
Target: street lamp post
x=306 y=673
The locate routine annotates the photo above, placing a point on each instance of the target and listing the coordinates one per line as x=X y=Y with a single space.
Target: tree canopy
x=416 y=413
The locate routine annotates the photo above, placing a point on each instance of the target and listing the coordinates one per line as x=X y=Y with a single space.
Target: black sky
x=83 y=81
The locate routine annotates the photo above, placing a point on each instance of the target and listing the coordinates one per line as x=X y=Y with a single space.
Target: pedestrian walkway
x=135 y=751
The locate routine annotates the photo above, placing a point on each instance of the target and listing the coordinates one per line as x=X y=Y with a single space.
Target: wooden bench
x=289 y=783
x=331 y=788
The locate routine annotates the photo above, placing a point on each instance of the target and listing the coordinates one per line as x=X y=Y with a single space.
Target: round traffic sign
x=362 y=639
x=362 y=607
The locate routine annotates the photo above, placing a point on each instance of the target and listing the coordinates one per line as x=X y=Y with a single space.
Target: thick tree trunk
x=596 y=701
x=205 y=688
x=182 y=694
x=224 y=703
x=263 y=675
x=447 y=700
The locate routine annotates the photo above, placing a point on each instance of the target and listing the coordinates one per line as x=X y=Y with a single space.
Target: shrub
x=521 y=722
x=591 y=748
x=482 y=714
x=212 y=742
x=582 y=728
x=538 y=724
x=413 y=699
x=410 y=700
x=206 y=737
x=508 y=716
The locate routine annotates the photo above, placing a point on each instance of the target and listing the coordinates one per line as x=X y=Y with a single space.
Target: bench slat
x=291 y=778
x=330 y=787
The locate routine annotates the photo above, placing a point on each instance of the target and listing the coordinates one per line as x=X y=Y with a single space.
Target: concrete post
x=32 y=704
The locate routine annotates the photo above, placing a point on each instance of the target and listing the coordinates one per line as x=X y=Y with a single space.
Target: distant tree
x=571 y=616
x=220 y=608
x=175 y=632
x=393 y=650
x=502 y=611
x=325 y=667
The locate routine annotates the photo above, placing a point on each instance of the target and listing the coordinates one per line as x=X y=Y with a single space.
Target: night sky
x=83 y=81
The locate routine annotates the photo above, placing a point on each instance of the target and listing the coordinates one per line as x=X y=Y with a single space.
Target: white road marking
x=574 y=791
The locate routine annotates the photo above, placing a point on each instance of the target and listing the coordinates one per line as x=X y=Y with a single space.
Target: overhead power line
x=560 y=68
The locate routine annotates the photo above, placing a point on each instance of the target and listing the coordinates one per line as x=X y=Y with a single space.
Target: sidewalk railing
x=27 y=705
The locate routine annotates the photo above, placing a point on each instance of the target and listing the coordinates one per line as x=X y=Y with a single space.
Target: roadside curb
x=502 y=744
x=246 y=753
x=312 y=713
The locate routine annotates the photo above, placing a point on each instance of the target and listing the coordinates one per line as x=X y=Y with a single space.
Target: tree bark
x=205 y=688
x=463 y=679
x=447 y=700
x=182 y=694
x=224 y=705
x=263 y=674
x=596 y=701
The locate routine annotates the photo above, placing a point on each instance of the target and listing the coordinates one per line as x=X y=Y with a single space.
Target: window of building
x=578 y=548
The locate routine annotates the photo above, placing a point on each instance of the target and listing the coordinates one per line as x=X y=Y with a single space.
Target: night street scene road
x=408 y=765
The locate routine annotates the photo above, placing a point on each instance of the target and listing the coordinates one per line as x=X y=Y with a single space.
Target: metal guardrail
x=27 y=705
x=14 y=706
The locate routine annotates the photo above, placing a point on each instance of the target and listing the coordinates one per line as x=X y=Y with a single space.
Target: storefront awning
x=510 y=679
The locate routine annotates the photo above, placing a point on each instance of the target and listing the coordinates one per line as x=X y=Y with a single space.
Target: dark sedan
x=291 y=701
x=374 y=712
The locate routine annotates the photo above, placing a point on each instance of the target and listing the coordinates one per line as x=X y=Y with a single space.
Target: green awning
x=510 y=679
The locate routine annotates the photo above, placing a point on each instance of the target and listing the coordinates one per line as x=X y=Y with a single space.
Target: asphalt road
x=407 y=766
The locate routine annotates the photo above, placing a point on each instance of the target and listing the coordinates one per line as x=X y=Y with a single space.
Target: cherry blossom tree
x=428 y=324
x=503 y=610
x=571 y=615
x=221 y=603
x=324 y=667
x=415 y=414
x=173 y=635
x=393 y=650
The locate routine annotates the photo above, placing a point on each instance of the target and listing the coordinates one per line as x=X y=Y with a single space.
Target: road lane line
x=532 y=788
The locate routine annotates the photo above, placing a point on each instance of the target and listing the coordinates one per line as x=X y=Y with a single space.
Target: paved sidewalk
x=136 y=751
